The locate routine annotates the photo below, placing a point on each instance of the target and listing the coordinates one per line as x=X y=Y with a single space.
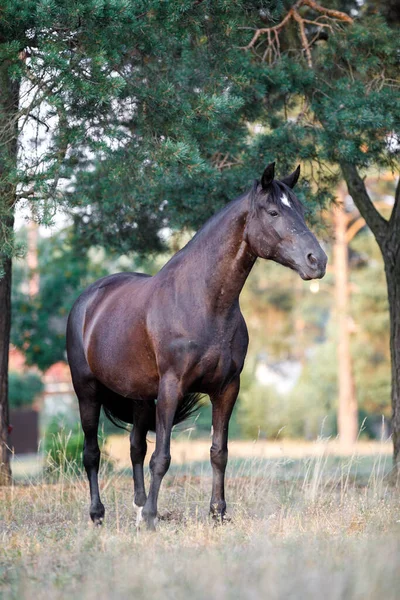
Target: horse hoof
x=97 y=515
x=151 y=523
x=219 y=519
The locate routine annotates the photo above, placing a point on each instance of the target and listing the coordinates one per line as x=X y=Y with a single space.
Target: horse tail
x=115 y=420
x=119 y=414
x=188 y=407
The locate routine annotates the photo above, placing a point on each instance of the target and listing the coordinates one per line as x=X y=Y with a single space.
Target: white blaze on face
x=285 y=201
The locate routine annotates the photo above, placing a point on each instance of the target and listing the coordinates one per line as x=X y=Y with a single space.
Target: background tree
x=55 y=73
x=347 y=410
x=341 y=93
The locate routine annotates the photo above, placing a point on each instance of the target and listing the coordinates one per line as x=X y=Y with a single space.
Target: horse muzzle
x=314 y=266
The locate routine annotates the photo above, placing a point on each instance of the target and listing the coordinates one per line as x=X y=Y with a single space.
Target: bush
x=23 y=389
x=63 y=448
x=262 y=413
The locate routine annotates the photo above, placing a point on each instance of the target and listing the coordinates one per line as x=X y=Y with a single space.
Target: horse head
x=276 y=228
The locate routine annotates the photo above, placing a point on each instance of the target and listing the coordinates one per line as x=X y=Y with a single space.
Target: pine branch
x=335 y=14
x=358 y=191
x=272 y=33
x=35 y=118
x=25 y=194
x=221 y=161
x=62 y=124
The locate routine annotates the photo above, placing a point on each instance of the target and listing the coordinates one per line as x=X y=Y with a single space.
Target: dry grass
x=184 y=450
x=319 y=527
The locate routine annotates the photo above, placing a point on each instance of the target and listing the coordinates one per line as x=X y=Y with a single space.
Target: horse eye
x=273 y=213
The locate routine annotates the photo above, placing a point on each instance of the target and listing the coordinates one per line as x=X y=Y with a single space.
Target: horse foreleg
x=169 y=395
x=222 y=406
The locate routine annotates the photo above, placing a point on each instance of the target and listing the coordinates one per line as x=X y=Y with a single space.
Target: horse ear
x=268 y=176
x=292 y=179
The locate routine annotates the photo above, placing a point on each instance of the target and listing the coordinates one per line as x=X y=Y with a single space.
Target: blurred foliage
x=200 y=425
x=370 y=346
x=23 y=388
x=39 y=322
x=309 y=410
x=262 y=413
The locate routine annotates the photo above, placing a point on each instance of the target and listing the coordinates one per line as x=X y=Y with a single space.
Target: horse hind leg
x=143 y=421
x=142 y=415
x=89 y=407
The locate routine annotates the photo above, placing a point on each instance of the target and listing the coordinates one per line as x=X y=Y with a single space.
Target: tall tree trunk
x=387 y=234
x=9 y=99
x=347 y=416
x=392 y=269
x=5 y=324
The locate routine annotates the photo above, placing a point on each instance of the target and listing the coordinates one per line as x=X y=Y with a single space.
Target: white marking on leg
x=139 y=510
x=285 y=201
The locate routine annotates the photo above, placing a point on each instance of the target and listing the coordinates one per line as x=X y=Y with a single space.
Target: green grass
x=312 y=528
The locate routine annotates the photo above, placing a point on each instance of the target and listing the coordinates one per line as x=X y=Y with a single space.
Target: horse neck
x=218 y=259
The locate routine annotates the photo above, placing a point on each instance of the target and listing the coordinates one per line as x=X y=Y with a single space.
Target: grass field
x=320 y=526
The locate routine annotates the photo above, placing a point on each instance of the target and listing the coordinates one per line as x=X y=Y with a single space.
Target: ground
x=312 y=527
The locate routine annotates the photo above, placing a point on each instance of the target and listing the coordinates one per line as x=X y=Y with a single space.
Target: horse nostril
x=312 y=259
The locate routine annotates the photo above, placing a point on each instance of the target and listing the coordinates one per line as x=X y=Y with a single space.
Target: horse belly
x=133 y=375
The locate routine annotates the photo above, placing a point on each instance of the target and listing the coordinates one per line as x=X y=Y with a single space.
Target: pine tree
x=341 y=92
x=189 y=94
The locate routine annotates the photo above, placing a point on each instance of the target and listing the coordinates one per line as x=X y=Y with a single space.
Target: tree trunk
x=9 y=99
x=5 y=324
x=392 y=270
x=387 y=234
x=347 y=415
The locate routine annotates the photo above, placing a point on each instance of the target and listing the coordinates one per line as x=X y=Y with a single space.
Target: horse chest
x=218 y=363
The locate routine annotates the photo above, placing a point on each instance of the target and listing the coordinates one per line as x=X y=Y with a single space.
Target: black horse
x=145 y=347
